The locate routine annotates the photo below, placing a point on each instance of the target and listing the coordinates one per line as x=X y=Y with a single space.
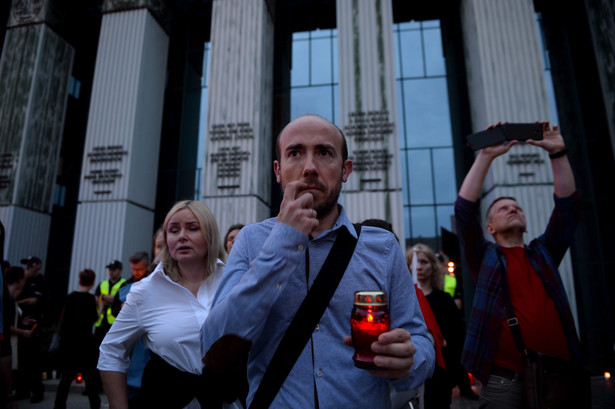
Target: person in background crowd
x=14 y=279
x=274 y=263
x=140 y=268
x=455 y=289
x=166 y=309
x=32 y=300
x=7 y=319
x=105 y=293
x=531 y=271
x=438 y=389
x=77 y=348
x=158 y=243
x=231 y=235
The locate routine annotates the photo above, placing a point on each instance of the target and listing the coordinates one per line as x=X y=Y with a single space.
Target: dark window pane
x=321 y=61
x=411 y=54
x=434 y=59
x=423 y=222
x=445 y=214
x=300 y=74
x=426 y=113
x=444 y=175
x=302 y=101
x=419 y=169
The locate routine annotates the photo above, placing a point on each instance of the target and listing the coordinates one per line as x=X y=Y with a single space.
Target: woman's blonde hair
x=209 y=228
x=437 y=276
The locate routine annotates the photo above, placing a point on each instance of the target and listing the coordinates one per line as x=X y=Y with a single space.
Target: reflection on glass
x=444 y=167
x=321 y=61
x=411 y=56
x=314 y=88
x=428 y=178
x=423 y=221
x=300 y=72
x=445 y=213
x=302 y=102
x=434 y=58
x=426 y=112
x=421 y=183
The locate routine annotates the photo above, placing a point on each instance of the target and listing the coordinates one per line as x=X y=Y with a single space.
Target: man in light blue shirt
x=273 y=264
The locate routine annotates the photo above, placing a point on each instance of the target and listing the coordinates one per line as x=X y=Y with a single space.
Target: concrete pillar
x=34 y=75
x=601 y=14
x=117 y=193
x=238 y=142
x=368 y=111
x=506 y=82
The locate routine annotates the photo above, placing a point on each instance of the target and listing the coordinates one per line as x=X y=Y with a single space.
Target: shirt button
x=319 y=372
x=300 y=247
x=317 y=327
x=278 y=287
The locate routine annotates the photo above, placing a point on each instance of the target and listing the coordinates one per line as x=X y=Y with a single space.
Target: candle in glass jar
x=370 y=317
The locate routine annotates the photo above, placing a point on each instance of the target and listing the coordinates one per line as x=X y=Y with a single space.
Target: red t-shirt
x=539 y=321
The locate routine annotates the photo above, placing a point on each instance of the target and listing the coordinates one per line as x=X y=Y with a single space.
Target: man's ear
x=346 y=170
x=276 y=170
x=490 y=229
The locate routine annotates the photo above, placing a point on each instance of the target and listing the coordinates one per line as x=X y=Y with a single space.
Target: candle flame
x=607 y=376
x=370 y=318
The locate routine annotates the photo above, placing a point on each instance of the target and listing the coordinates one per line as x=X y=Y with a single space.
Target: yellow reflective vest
x=105 y=290
x=450 y=284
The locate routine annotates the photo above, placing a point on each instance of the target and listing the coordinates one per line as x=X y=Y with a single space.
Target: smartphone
x=488 y=137
x=522 y=131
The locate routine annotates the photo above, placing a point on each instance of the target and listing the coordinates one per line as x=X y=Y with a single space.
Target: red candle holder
x=370 y=318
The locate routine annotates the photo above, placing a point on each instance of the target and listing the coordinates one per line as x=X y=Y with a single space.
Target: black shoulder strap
x=308 y=315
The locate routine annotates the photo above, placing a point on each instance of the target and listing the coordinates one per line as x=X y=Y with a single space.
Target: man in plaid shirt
x=535 y=285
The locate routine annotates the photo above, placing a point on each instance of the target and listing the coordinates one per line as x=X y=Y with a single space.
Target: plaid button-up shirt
x=488 y=309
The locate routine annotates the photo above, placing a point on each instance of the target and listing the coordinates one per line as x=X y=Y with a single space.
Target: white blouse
x=168 y=317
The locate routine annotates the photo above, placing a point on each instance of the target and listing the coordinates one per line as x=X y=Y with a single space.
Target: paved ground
x=603 y=397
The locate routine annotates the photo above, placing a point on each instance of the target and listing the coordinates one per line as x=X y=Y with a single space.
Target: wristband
x=559 y=154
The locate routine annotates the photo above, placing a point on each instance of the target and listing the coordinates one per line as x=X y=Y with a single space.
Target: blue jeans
x=500 y=393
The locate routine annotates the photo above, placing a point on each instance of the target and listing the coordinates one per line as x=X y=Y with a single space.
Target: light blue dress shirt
x=265 y=282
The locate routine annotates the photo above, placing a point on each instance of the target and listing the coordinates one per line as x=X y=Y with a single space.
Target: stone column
x=117 y=193
x=368 y=111
x=601 y=14
x=506 y=82
x=238 y=164
x=34 y=75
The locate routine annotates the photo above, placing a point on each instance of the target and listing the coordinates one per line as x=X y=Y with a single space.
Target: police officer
x=105 y=293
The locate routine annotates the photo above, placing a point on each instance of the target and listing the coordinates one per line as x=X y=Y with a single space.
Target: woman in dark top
x=77 y=348
x=430 y=276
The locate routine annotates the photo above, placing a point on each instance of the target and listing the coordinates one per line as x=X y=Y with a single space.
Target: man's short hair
x=138 y=257
x=488 y=214
x=278 y=153
x=86 y=277
x=14 y=274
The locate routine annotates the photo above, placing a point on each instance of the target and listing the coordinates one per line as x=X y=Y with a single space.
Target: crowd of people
x=192 y=329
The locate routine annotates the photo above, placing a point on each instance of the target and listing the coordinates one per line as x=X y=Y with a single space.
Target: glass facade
x=428 y=169
x=313 y=76
x=429 y=188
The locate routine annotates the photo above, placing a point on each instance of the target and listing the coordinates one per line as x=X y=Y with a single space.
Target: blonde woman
x=429 y=274
x=167 y=309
